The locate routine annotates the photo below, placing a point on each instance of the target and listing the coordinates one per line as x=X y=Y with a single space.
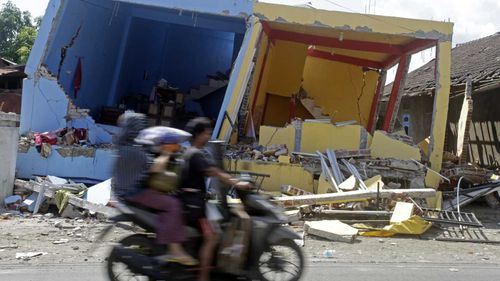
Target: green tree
x=17 y=32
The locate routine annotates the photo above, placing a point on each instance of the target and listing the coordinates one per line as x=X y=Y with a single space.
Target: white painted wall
x=9 y=137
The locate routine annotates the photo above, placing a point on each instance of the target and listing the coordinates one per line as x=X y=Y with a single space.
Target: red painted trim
x=261 y=74
x=267 y=29
x=390 y=62
x=418 y=45
x=413 y=47
x=336 y=43
x=344 y=59
x=376 y=99
x=394 y=93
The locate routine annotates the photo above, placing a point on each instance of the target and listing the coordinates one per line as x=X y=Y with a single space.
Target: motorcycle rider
x=130 y=175
x=193 y=190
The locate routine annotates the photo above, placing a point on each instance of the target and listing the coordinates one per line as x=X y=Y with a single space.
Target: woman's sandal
x=187 y=261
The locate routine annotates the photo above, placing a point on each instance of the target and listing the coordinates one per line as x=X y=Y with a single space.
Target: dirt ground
x=72 y=241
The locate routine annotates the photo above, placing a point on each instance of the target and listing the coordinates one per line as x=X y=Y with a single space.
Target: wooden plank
x=356 y=195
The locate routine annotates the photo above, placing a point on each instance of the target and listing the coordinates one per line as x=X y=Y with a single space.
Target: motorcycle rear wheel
x=283 y=261
x=118 y=271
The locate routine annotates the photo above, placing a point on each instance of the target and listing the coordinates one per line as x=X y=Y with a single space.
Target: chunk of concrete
x=374 y=182
x=333 y=230
x=384 y=146
x=402 y=212
x=56 y=180
x=348 y=184
x=100 y=193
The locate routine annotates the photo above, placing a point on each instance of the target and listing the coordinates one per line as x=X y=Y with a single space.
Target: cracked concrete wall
x=90 y=31
x=44 y=108
x=343 y=91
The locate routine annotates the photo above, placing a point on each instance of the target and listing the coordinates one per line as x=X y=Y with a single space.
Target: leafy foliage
x=18 y=31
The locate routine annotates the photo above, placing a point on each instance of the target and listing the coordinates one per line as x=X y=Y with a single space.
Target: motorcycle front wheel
x=283 y=261
x=117 y=270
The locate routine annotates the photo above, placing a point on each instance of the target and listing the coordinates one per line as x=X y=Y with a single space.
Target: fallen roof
x=479 y=58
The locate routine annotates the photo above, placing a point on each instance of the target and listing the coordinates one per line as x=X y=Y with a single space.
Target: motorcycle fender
x=280 y=234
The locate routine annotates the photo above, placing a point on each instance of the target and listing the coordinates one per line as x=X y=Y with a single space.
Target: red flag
x=77 y=80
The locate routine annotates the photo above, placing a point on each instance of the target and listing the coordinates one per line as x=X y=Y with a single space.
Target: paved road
x=316 y=271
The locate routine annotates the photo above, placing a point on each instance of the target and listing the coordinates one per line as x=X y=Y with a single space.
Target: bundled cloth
x=162 y=135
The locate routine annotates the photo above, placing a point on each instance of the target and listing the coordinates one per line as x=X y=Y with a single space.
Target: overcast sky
x=473 y=18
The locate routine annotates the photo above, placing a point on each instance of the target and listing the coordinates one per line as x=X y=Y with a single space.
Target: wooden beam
x=350 y=196
x=376 y=101
x=344 y=59
x=331 y=42
x=396 y=93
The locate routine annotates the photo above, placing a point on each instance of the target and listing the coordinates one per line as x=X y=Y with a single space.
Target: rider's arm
x=226 y=178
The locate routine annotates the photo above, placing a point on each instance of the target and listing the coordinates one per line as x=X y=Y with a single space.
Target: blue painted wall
x=101 y=28
x=98 y=167
x=193 y=53
x=183 y=55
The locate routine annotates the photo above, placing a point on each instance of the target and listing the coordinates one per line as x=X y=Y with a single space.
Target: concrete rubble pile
x=64 y=197
x=383 y=179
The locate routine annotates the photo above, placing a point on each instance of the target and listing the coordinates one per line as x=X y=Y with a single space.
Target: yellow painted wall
x=384 y=146
x=282 y=74
x=281 y=174
x=258 y=66
x=321 y=136
x=233 y=108
x=287 y=66
x=259 y=106
x=336 y=87
x=274 y=135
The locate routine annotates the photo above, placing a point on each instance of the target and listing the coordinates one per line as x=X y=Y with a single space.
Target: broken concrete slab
x=100 y=193
x=293 y=215
x=73 y=200
x=383 y=146
x=348 y=184
x=57 y=180
x=334 y=230
x=71 y=212
x=402 y=212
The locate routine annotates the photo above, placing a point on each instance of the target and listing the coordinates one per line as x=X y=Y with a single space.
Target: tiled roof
x=479 y=58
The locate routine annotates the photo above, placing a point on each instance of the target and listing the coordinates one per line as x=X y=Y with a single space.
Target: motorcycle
x=254 y=245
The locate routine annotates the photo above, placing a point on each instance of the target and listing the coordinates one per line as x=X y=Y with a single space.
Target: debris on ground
x=72 y=199
x=29 y=255
x=333 y=230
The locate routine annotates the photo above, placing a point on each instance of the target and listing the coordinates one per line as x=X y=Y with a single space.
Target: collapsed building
x=295 y=78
